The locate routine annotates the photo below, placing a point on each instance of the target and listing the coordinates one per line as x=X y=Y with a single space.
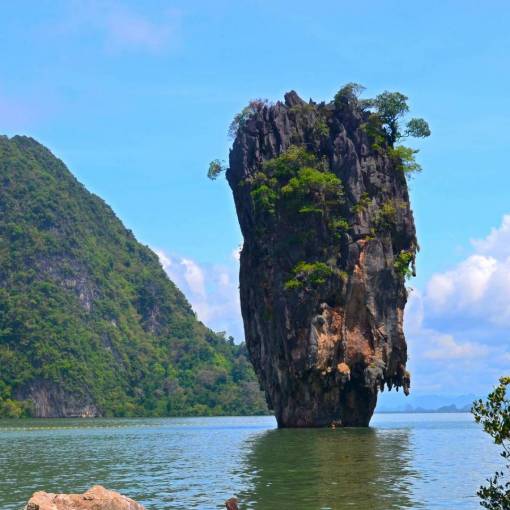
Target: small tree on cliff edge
x=494 y=415
x=391 y=107
x=386 y=125
x=389 y=110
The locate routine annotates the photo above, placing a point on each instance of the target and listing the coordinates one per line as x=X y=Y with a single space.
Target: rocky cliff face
x=329 y=235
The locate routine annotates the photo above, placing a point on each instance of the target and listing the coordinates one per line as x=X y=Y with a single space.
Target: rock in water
x=96 y=498
x=329 y=237
x=231 y=504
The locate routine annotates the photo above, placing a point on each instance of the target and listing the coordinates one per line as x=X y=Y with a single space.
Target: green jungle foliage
x=309 y=273
x=386 y=216
x=216 y=167
x=403 y=264
x=494 y=415
x=296 y=183
x=385 y=125
x=298 y=189
x=85 y=307
x=404 y=158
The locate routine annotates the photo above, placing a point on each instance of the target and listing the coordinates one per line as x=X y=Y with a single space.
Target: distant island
x=391 y=403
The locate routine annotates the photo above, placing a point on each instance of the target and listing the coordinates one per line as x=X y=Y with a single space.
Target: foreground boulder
x=96 y=498
x=231 y=504
x=329 y=238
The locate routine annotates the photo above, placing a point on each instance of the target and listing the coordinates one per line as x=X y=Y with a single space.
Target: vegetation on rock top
x=297 y=180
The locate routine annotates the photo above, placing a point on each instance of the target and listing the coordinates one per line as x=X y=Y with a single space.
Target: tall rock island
x=329 y=238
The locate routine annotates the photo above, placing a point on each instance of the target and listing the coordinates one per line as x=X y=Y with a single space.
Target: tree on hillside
x=494 y=415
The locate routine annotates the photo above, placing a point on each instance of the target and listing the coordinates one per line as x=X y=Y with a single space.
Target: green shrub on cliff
x=298 y=181
x=289 y=162
x=403 y=264
x=294 y=183
x=86 y=308
x=216 y=168
x=308 y=274
x=385 y=124
x=404 y=158
x=391 y=108
x=386 y=217
x=313 y=190
x=348 y=94
x=265 y=196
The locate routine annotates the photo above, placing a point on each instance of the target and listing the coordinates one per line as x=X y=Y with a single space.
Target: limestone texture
x=321 y=282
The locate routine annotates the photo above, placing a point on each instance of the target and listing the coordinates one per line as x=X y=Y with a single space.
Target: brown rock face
x=326 y=219
x=53 y=401
x=96 y=498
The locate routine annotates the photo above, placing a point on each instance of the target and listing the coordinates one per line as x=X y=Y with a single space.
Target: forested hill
x=90 y=325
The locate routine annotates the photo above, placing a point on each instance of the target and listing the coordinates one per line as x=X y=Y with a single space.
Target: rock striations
x=329 y=237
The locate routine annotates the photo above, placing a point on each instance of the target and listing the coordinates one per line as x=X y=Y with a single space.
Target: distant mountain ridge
x=90 y=324
x=390 y=403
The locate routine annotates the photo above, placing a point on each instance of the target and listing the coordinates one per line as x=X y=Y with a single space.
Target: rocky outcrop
x=50 y=400
x=96 y=498
x=329 y=235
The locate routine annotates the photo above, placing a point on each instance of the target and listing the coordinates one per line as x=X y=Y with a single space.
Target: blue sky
x=136 y=98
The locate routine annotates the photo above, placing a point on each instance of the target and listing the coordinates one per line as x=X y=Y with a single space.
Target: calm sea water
x=403 y=461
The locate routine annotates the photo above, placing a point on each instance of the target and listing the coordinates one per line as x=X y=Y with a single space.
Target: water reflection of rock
x=329 y=469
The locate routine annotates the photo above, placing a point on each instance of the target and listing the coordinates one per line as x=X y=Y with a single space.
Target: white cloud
x=194 y=277
x=224 y=280
x=236 y=253
x=165 y=260
x=464 y=285
x=446 y=347
x=497 y=243
x=479 y=286
x=458 y=329
x=414 y=312
x=211 y=290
